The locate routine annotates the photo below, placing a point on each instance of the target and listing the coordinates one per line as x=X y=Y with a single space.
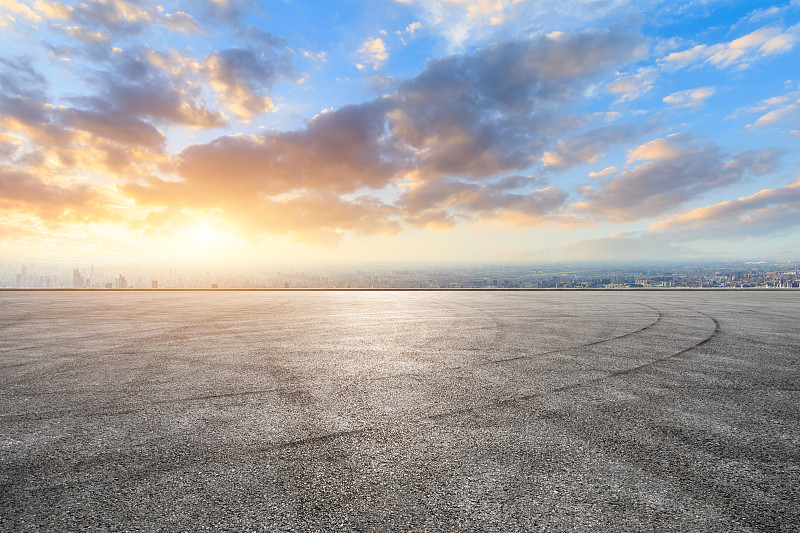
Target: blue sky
x=446 y=130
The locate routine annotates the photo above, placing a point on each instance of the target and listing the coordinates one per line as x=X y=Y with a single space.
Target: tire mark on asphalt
x=626 y=371
x=577 y=347
x=578 y=385
x=321 y=439
x=419 y=377
x=331 y=436
x=508 y=401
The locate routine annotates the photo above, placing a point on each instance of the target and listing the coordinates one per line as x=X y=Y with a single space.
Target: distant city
x=753 y=274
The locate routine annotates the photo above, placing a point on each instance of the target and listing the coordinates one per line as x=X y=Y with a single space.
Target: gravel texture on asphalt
x=400 y=411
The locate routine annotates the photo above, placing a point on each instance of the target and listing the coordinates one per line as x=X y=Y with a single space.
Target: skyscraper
x=77 y=278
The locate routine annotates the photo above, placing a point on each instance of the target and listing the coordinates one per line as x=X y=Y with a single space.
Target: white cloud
x=602 y=173
x=410 y=31
x=412 y=28
x=775 y=116
x=319 y=57
x=470 y=22
x=690 y=98
x=738 y=53
x=373 y=52
x=632 y=86
x=666 y=148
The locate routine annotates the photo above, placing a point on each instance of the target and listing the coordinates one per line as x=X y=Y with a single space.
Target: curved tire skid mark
x=418 y=377
x=574 y=386
x=329 y=437
x=717 y=331
x=586 y=345
x=448 y=305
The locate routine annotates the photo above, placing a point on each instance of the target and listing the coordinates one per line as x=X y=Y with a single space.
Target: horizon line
x=396 y=289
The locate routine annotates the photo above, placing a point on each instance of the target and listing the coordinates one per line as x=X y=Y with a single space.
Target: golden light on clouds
x=189 y=128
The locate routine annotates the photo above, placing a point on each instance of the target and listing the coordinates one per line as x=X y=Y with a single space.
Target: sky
x=245 y=132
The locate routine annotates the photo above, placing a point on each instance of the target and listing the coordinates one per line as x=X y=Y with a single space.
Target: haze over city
x=238 y=131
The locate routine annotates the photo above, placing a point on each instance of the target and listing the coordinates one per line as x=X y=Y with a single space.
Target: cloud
x=446 y=133
x=676 y=169
x=690 y=98
x=468 y=23
x=20 y=9
x=764 y=13
x=409 y=32
x=147 y=84
x=180 y=21
x=413 y=28
x=603 y=173
x=738 y=53
x=443 y=202
x=105 y=132
x=18 y=77
x=50 y=202
x=243 y=78
x=122 y=128
x=485 y=201
x=95 y=21
x=318 y=57
x=773 y=111
x=587 y=146
x=23 y=106
x=373 y=53
x=632 y=86
x=461 y=19
x=84 y=35
x=340 y=151
x=494 y=110
x=666 y=148
x=788 y=113
x=315 y=217
x=227 y=11
x=261 y=38
x=767 y=212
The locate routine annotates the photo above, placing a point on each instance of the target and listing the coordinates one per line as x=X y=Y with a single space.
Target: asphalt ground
x=394 y=411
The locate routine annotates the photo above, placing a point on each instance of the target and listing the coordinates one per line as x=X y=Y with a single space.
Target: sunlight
x=204 y=235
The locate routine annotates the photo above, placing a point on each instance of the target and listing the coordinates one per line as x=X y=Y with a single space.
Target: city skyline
x=234 y=132
x=582 y=275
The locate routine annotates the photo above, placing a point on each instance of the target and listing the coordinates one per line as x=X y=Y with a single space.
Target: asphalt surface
x=460 y=411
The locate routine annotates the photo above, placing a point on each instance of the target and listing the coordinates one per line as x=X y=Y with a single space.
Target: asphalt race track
x=458 y=411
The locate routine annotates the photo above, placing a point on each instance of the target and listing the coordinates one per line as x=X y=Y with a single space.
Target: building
x=77 y=278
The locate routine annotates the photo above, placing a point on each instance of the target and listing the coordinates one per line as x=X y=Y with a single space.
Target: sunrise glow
x=398 y=130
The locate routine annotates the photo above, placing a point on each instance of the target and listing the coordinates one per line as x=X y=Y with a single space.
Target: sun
x=204 y=234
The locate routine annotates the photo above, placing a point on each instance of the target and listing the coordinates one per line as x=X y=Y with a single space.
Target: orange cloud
x=768 y=211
